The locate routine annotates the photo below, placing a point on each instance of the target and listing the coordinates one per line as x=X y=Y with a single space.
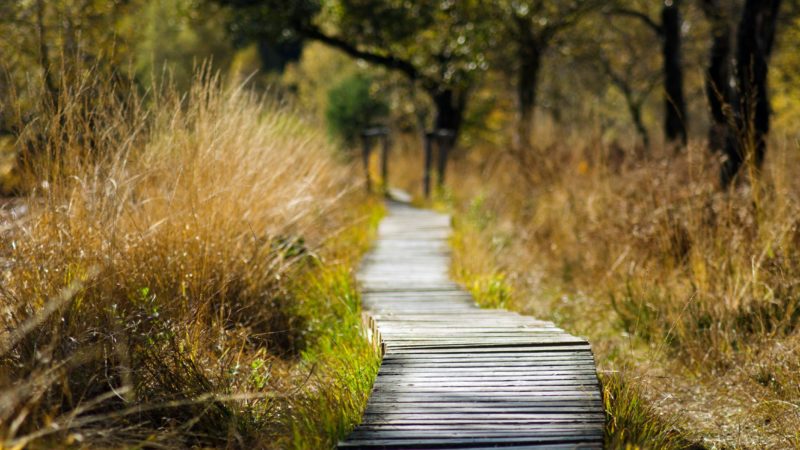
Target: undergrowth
x=342 y=362
x=473 y=263
x=633 y=422
x=689 y=294
x=182 y=277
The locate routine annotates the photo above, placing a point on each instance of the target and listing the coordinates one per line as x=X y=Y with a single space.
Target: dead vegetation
x=689 y=293
x=182 y=277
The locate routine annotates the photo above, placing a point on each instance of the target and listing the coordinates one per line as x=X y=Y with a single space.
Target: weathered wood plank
x=501 y=397
x=488 y=357
x=457 y=376
x=517 y=349
x=427 y=416
x=506 y=444
x=410 y=411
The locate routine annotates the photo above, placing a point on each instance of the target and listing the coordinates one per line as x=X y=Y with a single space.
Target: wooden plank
x=574 y=446
x=494 y=370
x=556 y=432
x=527 y=432
x=524 y=398
x=506 y=417
x=456 y=376
x=477 y=391
x=413 y=410
x=454 y=371
x=475 y=350
x=487 y=357
x=541 y=443
x=429 y=401
x=466 y=362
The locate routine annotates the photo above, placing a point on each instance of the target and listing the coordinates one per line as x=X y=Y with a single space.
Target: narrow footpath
x=455 y=375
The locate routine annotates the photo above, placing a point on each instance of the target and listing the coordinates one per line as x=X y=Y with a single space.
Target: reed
x=151 y=294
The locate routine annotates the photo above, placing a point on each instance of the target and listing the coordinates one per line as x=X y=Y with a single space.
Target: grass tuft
x=688 y=288
x=633 y=423
x=182 y=276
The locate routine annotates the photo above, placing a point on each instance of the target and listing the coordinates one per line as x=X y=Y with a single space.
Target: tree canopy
x=479 y=64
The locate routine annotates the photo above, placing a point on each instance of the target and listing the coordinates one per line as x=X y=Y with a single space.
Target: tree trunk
x=674 y=104
x=530 y=57
x=635 y=110
x=718 y=75
x=448 y=113
x=44 y=56
x=449 y=104
x=755 y=38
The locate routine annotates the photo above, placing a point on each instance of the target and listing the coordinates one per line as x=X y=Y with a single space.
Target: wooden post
x=365 y=148
x=426 y=176
x=385 y=161
x=441 y=164
x=368 y=137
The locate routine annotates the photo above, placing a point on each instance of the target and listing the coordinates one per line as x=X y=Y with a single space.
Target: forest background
x=626 y=169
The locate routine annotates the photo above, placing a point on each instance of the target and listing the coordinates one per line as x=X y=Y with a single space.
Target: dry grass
x=690 y=295
x=158 y=290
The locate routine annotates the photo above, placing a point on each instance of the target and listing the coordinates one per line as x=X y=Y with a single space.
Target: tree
x=674 y=103
x=56 y=41
x=49 y=37
x=437 y=44
x=785 y=69
x=622 y=52
x=176 y=36
x=635 y=94
x=741 y=116
x=755 y=38
x=352 y=107
x=668 y=29
x=531 y=27
x=718 y=73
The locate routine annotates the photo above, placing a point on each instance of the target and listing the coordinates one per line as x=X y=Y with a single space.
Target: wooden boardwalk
x=457 y=376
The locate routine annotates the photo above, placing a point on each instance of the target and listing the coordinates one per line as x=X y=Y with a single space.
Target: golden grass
x=152 y=292
x=690 y=295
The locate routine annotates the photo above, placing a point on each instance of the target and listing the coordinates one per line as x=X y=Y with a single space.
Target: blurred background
x=500 y=73
x=182 y=207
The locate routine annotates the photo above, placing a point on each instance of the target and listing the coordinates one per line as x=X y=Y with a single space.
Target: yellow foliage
x=319 y=68
x=170 y=236
x=785 y=80
x=245 y=63
x=8 y=176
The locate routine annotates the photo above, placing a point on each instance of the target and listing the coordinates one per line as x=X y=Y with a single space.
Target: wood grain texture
x=457 y=376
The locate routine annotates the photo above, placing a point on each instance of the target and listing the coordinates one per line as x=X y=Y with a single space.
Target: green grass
x=342 y=362
x=183 y=277
x=631 y=422
x=472 y=267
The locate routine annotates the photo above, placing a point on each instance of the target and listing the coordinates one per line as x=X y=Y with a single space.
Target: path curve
x=455 y=375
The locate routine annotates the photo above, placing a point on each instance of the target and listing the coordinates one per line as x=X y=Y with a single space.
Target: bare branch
x=642 y=17
x=388 y=61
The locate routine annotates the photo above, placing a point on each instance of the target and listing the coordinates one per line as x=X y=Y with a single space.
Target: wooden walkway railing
x=439 y=141
x=457 y=376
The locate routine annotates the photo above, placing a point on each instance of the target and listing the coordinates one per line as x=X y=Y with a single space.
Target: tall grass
x=152 y=295
x=690 y=294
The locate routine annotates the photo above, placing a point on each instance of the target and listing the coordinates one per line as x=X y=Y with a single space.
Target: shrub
x=352 y=107
x=146 y=296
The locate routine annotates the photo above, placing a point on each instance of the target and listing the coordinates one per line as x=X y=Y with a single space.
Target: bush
x=352 y=107
x=148 y=295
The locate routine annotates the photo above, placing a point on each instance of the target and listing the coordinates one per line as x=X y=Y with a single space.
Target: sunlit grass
x=473 y=265
x=632 y=422
x=183 y=276
x=687 y=288
x=343 y=360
